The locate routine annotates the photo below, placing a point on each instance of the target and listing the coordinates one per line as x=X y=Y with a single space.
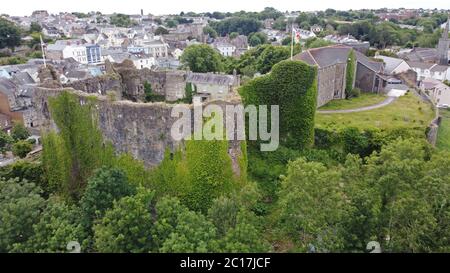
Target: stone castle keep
x=142 y=130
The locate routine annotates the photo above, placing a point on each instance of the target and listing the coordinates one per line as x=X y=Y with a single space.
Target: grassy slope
x=407 y=112
x=443 y=141
x=366 y=99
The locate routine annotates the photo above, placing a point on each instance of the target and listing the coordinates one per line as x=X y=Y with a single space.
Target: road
x=384 y=103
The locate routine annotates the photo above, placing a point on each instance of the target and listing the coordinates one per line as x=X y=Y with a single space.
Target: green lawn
x=443 y=141
x=365 y=99
x=408 y=111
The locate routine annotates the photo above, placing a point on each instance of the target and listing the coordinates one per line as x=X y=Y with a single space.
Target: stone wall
x=128 y=83
x=365 y=78
x=140 y=129
x=331 y=80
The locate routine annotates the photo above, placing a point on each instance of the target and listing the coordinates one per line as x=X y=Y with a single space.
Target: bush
x=22 y=148
x=354 y=93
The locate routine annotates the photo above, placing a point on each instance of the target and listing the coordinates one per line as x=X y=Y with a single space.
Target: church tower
x=444 y=44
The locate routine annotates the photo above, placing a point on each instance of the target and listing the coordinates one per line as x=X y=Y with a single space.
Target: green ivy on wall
x=291 y=85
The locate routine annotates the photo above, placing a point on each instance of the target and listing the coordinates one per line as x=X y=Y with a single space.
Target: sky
x=158 y=7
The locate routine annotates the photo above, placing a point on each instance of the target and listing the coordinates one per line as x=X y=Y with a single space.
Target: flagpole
x=43 y=52
x=292 y=42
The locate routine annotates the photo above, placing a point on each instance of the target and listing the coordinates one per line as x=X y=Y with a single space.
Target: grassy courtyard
x=443 y=141
x=408 y=111
x=365 y=99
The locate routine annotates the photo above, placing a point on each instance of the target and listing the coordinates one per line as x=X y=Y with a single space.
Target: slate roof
x=390 y=63
x=7 y=86
x=330 y=55
x=23 y=78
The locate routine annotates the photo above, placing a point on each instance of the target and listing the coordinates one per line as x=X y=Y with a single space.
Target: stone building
x=142 y=130
x=332 y=69
x=16 y=102
x=210 y=86
x=443 y=46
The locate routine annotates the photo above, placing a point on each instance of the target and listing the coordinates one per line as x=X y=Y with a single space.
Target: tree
x=161 y=31
x=121 y=20
x=20 y=209
x=242 y=25
x=317 y=42
x=19 y=132
x=22 y=148
x=312 y=206
x=257 y=38
x=35 y=27
x=58 y=225
x=127 y=226
x=270 y=56
x=104 y=187
x=179 y=230
x=202 y=59
x=5 y=140
x=9 y=34
x=212 y=33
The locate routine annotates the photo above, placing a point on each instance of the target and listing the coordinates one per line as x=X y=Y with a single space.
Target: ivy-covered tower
x=444 y=44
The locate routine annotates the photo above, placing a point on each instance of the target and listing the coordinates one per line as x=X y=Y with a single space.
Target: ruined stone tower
x=444 y=44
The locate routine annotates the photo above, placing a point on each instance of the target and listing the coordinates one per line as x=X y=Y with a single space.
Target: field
x=408 y=111
x=443 y=141
x=366 y=99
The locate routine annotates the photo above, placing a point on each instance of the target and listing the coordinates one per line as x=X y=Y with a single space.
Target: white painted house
x=394 y=66
x=225 y=49
x=429 y=70
x=438 y=92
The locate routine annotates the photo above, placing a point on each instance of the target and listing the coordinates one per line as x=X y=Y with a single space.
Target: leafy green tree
x=5 y=140
x=26 y=170
x=20 y=208
x=35 y=27
x=9 y=34
x=19 y=132
x=121 y=20
x=257 y=38
x=317 y=42
x=22 y=148
x=270 y=56
x=161 y=31
x=127 y=226
x=58 y=225
x=242 y=25
x=179 y=230
x=210 y=31
x=202 y=59
x=313 y=206
x=104 y=187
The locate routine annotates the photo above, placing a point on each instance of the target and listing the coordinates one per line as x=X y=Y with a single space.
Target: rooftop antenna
x=43 y=51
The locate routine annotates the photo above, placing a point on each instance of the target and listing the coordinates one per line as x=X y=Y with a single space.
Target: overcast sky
x=157 y=7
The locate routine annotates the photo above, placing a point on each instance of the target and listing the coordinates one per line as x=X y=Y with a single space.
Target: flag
x=297 y=36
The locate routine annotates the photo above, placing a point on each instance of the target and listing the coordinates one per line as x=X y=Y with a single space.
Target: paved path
x=384 y=103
